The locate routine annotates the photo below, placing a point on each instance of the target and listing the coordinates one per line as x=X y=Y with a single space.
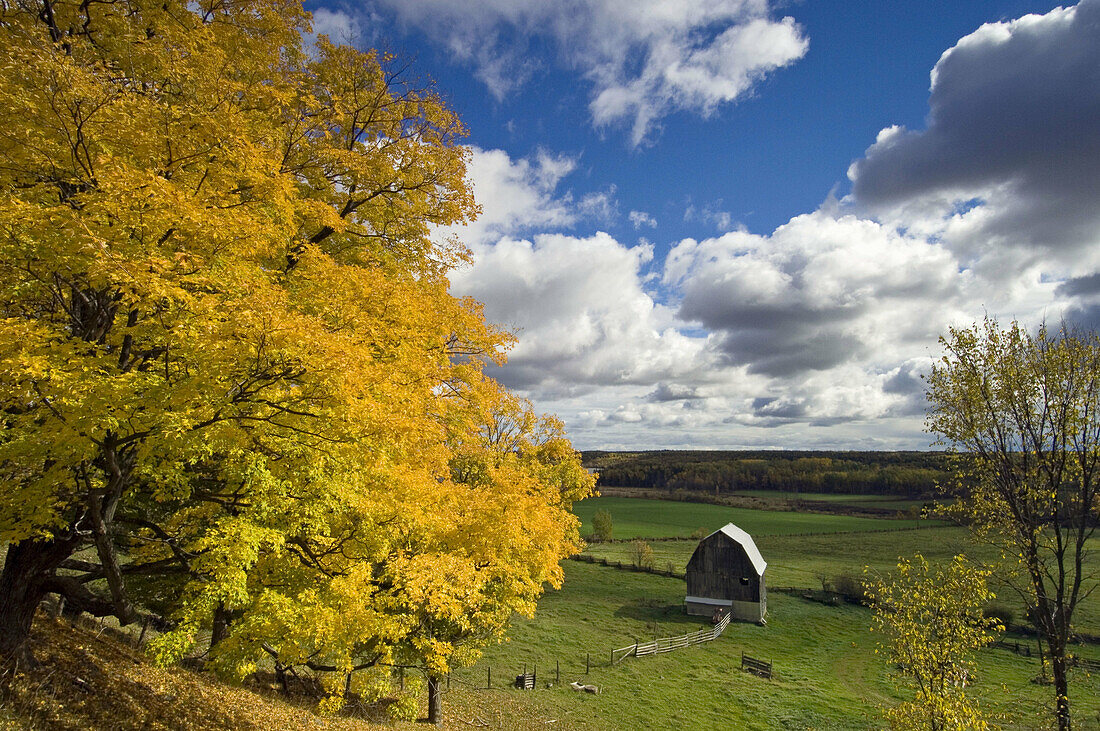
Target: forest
x=909 y=474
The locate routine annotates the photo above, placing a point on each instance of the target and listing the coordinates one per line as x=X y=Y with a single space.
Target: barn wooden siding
x=721 y=573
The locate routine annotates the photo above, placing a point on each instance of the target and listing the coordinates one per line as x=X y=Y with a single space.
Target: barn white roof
x=747 y=543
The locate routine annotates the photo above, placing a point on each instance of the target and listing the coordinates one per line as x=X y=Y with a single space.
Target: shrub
x=850 y=587
x=602 y=527
x=700 y=533
x=1001 y=612
x=642 y=554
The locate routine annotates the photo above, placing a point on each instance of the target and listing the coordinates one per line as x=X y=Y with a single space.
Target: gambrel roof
x=745 y=541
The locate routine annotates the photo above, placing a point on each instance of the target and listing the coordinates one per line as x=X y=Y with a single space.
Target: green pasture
x=642 y=518
x=827 y=673
x=800 y=560
x=804 y=560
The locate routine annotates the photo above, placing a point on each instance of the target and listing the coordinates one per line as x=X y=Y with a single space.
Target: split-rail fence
x=668 y=644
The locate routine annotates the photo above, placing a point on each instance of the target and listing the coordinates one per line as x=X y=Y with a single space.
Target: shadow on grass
x=649 y=610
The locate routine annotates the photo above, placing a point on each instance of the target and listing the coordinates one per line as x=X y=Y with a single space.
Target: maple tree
x=933 y=621
x=229 y=361
x=1022 y=414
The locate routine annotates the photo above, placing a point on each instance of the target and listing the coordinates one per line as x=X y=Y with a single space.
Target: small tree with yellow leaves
x=932 y=620
x=641 y=553
x=1021 y=413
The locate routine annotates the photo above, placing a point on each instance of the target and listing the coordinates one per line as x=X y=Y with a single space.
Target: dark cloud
x=1083 y=317
x=1014 y=119
x=831 y=421
x=1080 y=286
x=721 y=309
x=784 y=409
x=1084 y=295
x=673 y=392
x=907 y=382
x=775 y=338
x=785 y=352
x=771 y=412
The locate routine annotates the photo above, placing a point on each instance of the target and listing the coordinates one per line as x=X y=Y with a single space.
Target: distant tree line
x=910 y=474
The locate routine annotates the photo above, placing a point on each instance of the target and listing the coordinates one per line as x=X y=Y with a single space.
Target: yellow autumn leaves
x=933 y=621
x=225 y=324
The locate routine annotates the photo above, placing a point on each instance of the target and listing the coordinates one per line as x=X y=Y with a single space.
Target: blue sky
x=735 y=223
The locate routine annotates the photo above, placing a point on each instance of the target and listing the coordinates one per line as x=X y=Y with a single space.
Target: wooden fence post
x=557 y=671
x=489 y=676
x=587 y=662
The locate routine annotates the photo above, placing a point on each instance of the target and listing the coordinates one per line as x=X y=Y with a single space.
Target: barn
x=727 y=571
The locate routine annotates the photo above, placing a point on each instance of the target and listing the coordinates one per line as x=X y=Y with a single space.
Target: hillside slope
x=91 y=679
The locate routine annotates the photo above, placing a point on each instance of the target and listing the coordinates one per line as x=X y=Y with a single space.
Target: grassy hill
x=827 y=674
x=92 y=678
x=802 y=549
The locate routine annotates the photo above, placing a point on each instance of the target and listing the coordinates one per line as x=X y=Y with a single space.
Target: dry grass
x=91 y=678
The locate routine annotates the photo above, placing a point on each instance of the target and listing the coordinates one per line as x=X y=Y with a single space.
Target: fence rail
x=763 y=668
x=1020 y=648
x=1092 y=666
x=668 y=644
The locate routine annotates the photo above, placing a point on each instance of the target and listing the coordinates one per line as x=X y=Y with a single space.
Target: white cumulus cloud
x=644 y=59
x=641 y=218
x=817 y=333
x=1007 y=172
x=580 y=312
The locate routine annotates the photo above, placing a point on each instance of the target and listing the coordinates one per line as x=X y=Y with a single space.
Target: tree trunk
x=220 y=629
x=1055 y=630
x=27 y=568
x=435 y=701
x=1061 y=688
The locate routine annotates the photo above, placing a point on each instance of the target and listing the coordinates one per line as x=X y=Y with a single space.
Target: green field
x=827 y=673
x=800 y=560
x=797 y=559
x=640 y=518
